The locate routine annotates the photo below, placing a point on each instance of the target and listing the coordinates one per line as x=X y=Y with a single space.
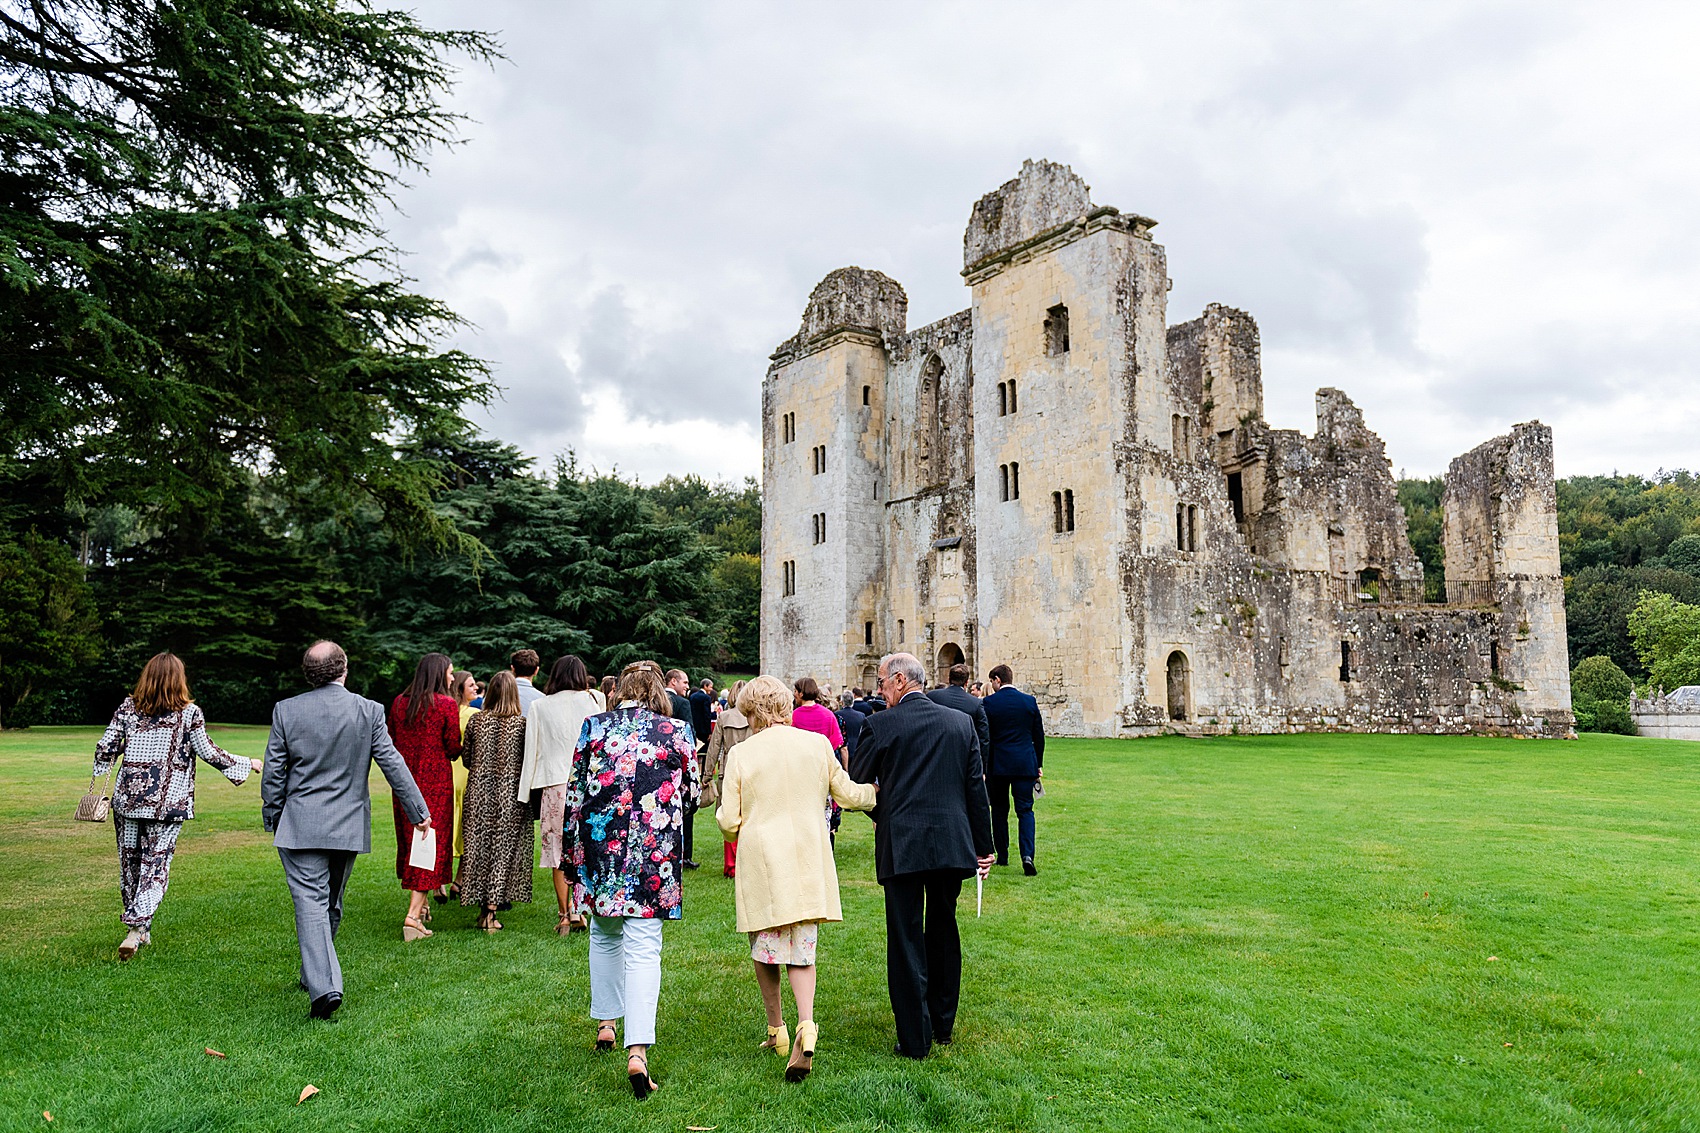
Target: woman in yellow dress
x=463 y=686
x=773 y=796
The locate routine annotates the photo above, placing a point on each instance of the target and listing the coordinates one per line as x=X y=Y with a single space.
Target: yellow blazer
x=773 y=801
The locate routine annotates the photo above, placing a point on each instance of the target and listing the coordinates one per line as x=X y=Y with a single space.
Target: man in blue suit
x=1016 y=762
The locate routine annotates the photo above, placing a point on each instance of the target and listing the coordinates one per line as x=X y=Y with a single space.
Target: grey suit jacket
x=313 y=791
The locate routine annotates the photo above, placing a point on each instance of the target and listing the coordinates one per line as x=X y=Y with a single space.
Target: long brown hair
x=568 y=675
x=501 y=695
x=163 y=687
x=457 y=684
x=430 y=680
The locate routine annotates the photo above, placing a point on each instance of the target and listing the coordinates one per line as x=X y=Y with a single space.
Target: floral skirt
x=553 y=820
x=791 y=944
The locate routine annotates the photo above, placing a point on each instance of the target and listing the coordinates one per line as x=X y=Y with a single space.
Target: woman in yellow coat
x=773 y=799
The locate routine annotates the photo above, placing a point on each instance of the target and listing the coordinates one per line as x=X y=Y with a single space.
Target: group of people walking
x=615 y=775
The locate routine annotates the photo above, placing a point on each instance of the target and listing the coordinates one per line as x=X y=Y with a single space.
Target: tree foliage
x=1599 y=696
x=49 y=631
x=1666 y=633
x=195 y=282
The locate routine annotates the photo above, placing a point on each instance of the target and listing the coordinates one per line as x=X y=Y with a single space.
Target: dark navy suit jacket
x=1018 y=735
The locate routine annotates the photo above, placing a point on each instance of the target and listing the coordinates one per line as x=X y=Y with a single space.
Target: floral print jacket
x=633 y=771
x=156 y=779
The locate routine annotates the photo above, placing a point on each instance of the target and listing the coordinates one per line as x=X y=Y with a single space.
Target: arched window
x=928 y=457
x=1179 y=686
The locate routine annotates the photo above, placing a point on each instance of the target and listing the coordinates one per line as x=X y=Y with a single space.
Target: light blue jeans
x=625 y=973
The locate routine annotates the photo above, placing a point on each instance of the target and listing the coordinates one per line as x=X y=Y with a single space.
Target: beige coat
x=773 y=801
x=552 y=725
x=729 y=730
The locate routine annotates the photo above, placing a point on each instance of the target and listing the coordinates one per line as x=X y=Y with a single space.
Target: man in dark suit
x=313 y=796
x=850 y=721
x=1016 y=762
x=956 y=695
x=932 y=830
x=702 y=712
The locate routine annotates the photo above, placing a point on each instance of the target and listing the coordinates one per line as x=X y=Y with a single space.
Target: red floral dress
x=427 y=745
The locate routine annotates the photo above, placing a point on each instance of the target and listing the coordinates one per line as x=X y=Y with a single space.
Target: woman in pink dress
x=424 y=723
x=811 y=715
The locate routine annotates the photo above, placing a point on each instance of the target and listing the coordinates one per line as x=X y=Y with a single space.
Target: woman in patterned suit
x=633 y=771
x=158 y=731
x=424 y=722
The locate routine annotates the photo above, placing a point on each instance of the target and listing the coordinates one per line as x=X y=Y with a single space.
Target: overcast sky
x=1464 y=215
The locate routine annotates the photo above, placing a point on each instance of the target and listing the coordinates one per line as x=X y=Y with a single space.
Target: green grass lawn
x=1293 y=933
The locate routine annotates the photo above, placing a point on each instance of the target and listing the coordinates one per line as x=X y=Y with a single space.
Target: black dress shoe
x=1029 y=868
x=1003 y=860
x=324 y=1006
x=689 y=864
x=901 y=1053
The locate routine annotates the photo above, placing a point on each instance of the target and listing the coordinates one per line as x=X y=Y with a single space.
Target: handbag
x=95 y=805
x=534 y=805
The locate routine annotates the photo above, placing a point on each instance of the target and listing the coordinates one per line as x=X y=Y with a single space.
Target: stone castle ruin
x=1058 y=479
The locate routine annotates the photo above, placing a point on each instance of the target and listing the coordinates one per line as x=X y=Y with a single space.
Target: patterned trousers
x=144 y=866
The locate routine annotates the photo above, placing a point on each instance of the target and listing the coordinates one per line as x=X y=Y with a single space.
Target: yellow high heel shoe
x=778 y=1040
x=803 y=1055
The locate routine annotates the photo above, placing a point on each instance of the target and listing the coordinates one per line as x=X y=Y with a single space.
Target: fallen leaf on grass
x=702 y=1128
x=47 y=1115
x=1507 y=1044
x=217 y=1053
x=1493 y=959
x=307 y=1091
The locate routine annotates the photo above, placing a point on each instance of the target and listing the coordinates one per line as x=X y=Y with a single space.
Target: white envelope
x=424 y=855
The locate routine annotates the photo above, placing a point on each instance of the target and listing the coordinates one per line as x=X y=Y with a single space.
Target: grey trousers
x=317 y=879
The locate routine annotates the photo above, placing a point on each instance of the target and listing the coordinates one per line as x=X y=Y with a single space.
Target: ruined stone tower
x=1059 y=480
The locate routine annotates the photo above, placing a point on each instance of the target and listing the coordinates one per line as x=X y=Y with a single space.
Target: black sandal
x=604 y=1043
x=642 y=1084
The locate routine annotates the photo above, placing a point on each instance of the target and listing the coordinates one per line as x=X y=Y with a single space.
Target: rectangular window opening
x=1056 y=512
x=1180 y=527
x=867 y=633
x=1056 y=330
x=1014 y=480
x=1012 y=394
x=1068 y=509
x=1003 y=399
x=1345 y=660
x=867 y=391
x=1003 y=483
x=1192 y=527
x=900 y=631
x=1236 y=496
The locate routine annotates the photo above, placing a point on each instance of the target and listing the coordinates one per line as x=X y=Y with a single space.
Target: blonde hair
x=765 y=701
x=501 y=696
x=641 y=681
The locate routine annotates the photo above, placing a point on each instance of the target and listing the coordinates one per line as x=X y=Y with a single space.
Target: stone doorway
x=1180 y=686
x=950 y=654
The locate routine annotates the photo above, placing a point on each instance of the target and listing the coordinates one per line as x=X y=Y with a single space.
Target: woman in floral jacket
x=157 y=733
x=633 y=771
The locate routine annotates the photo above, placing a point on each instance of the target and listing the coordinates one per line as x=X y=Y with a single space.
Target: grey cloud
x=652 y=190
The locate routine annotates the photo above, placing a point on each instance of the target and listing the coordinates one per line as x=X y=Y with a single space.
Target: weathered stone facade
x=1059 y=480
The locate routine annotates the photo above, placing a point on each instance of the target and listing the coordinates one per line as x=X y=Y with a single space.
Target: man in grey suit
x=313 y=796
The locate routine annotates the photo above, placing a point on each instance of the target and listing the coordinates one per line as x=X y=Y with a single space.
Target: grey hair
x=906 y=663
x=847 y=698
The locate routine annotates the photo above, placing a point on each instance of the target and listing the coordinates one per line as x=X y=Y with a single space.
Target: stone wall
x=1674 y=716
x=1057 y=480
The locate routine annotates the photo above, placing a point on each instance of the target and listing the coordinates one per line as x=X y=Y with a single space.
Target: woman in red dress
x=424 y=723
